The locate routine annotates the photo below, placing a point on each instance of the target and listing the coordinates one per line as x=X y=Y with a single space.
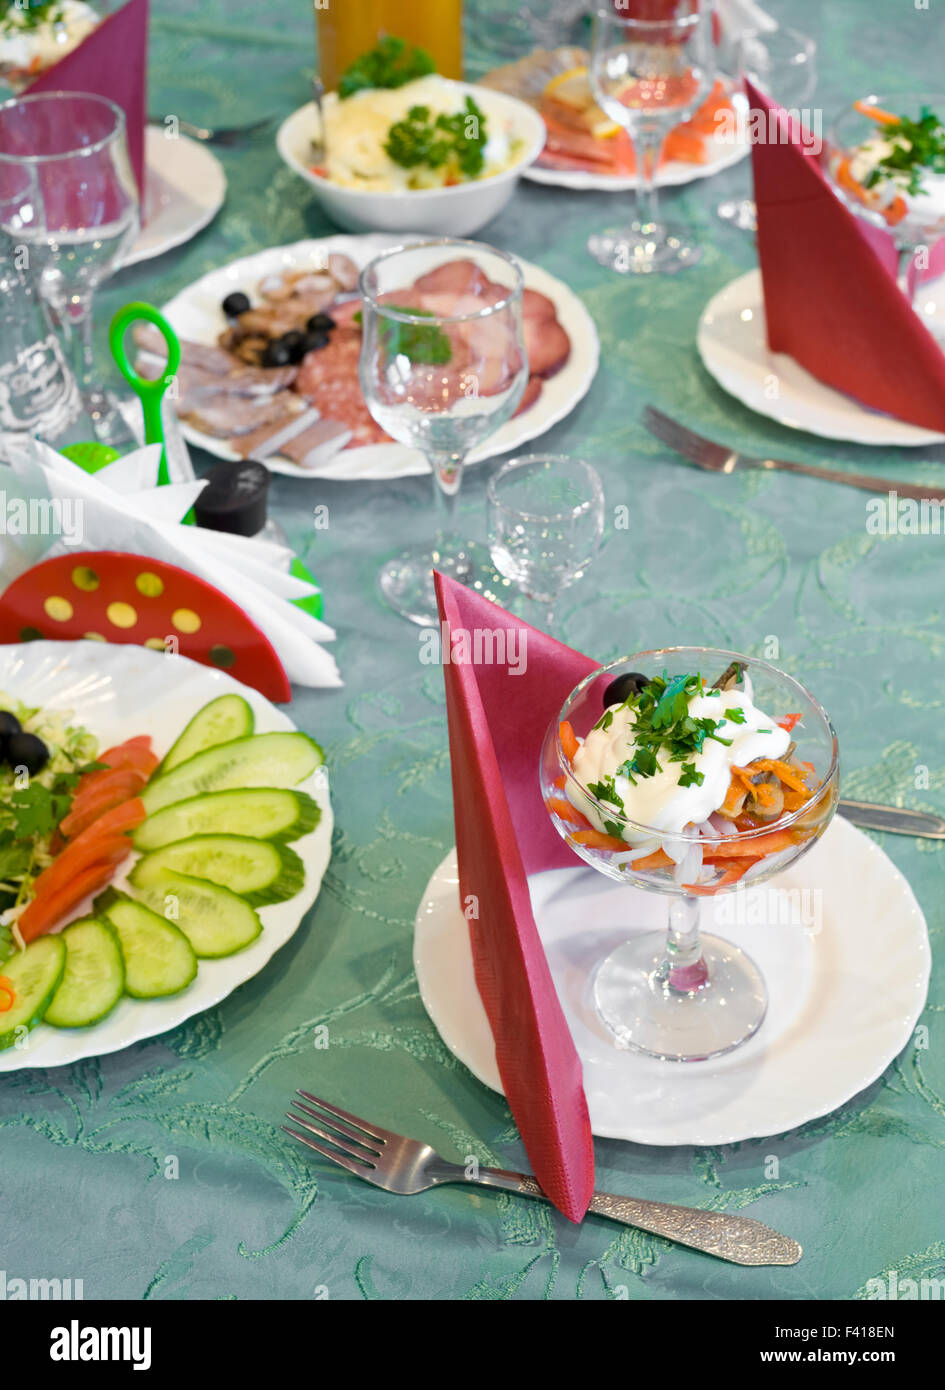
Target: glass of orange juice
x=348 y=28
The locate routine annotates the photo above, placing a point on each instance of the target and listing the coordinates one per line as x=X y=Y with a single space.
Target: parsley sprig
x=663 y=727
x=421 y=139
x=918 y=147
x=391 y=64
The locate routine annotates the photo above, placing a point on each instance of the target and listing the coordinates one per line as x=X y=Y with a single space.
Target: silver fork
x=221 y=135
x=715 y=458
x=406 y=1166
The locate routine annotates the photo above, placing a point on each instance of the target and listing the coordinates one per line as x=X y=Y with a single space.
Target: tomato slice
x=46 y=911
x=86 y=846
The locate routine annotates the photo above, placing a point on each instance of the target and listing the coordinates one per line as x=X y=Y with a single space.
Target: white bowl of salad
x=406 y=150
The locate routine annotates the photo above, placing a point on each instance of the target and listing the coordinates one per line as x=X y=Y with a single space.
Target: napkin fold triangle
x=831 y=298
x=111 y=62
x=498 y=711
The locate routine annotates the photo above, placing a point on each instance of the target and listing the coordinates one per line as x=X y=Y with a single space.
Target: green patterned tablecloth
x=87 y=1182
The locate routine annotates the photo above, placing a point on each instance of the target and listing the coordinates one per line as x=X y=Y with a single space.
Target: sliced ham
x=344 y=271
x=547 y=345
x=536 y=305
x=328 y=379
x=530 y=396
x=453 y=277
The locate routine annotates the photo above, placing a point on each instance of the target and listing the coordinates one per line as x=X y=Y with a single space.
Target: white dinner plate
x=196 y=315
x=723 y=153
x=117 y=692
x=733 y=345
x=184 y=191
x=844 y=996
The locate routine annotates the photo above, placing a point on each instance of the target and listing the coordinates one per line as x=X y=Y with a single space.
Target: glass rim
x=682 y=836
x=80 y=151
x=432 y=320
x=879 y=99
x=648 y=25
x=526 y=459
x=806 y=43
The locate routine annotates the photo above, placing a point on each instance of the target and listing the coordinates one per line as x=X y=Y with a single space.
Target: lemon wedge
x=572 y=88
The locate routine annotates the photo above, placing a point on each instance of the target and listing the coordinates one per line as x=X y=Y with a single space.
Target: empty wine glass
x=783 y=65
x=651 y=67
x=69 y=203
x=442 y=366
x=546 y=521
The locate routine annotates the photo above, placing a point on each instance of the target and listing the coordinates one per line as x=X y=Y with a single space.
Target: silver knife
x=893 y=818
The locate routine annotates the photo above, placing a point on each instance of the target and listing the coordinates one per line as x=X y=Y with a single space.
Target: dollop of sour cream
x=659 y=801
x=926 y=208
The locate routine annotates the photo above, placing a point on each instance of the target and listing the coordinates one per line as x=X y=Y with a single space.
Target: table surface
x=736 y=562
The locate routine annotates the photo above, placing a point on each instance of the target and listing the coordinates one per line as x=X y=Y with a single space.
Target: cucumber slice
x=159 y=960
x=261 y=760
x=268 y=813
x=34 y=974
x=215 y=921
x=223 y=719
x=94 y=977
x=258 y=870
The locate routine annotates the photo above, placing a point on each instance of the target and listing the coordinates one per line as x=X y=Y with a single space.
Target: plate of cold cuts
x=236 y=398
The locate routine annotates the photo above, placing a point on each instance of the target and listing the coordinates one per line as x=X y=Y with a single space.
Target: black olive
x=276 y=354
x=9 y=724
x=623 y=687
x=26 y=750
x=295 y=342
x=314 y=342
x=235 y=304
x=320 y=323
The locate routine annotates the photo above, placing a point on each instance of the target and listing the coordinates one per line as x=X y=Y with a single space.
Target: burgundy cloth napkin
x=497 y=721
x=831 y=298
x=111 y=62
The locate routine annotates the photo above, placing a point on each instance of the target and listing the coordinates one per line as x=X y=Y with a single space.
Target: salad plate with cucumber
x=163 y=831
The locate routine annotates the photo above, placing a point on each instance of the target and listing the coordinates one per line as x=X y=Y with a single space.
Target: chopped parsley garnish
x=421 y=139
x=391 y=64
x=664 y=727
x=736 y=716
x=605 y=790
x=918 y=147
x=605 y=721
x=614 y=828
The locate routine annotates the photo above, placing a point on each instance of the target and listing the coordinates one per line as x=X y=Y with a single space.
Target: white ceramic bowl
x=456 y=211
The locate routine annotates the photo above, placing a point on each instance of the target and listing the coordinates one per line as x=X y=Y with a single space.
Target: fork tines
x=356 y=1147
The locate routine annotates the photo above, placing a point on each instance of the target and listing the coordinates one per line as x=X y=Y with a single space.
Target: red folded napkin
x=111 y=62
x=497 y=721
x=831 y=298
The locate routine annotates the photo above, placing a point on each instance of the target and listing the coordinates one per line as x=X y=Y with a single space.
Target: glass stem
x=76 y=320
x=904 y=272
x=648 y=145
x=447 y=480
x=684 y=969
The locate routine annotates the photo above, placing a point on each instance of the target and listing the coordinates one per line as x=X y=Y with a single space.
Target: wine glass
x=442 y=366
x=546 y=522
x=69 y=203
x=914 y=217
x=685 y=996
x=651 y=66
x=783 y=65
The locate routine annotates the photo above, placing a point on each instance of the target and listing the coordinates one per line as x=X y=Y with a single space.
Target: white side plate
x=185 y=190
x=733 y=345
x=843 y=1000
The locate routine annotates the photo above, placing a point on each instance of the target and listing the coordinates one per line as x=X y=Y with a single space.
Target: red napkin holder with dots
x=110 y=596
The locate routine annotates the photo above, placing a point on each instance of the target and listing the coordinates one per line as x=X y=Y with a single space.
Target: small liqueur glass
x=546 y=523
x=685 y=995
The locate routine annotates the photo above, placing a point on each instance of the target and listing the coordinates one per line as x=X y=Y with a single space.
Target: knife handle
x=894 y=819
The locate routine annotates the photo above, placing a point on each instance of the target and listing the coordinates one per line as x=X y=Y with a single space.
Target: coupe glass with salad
x=687 y=771
x=886 y=158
